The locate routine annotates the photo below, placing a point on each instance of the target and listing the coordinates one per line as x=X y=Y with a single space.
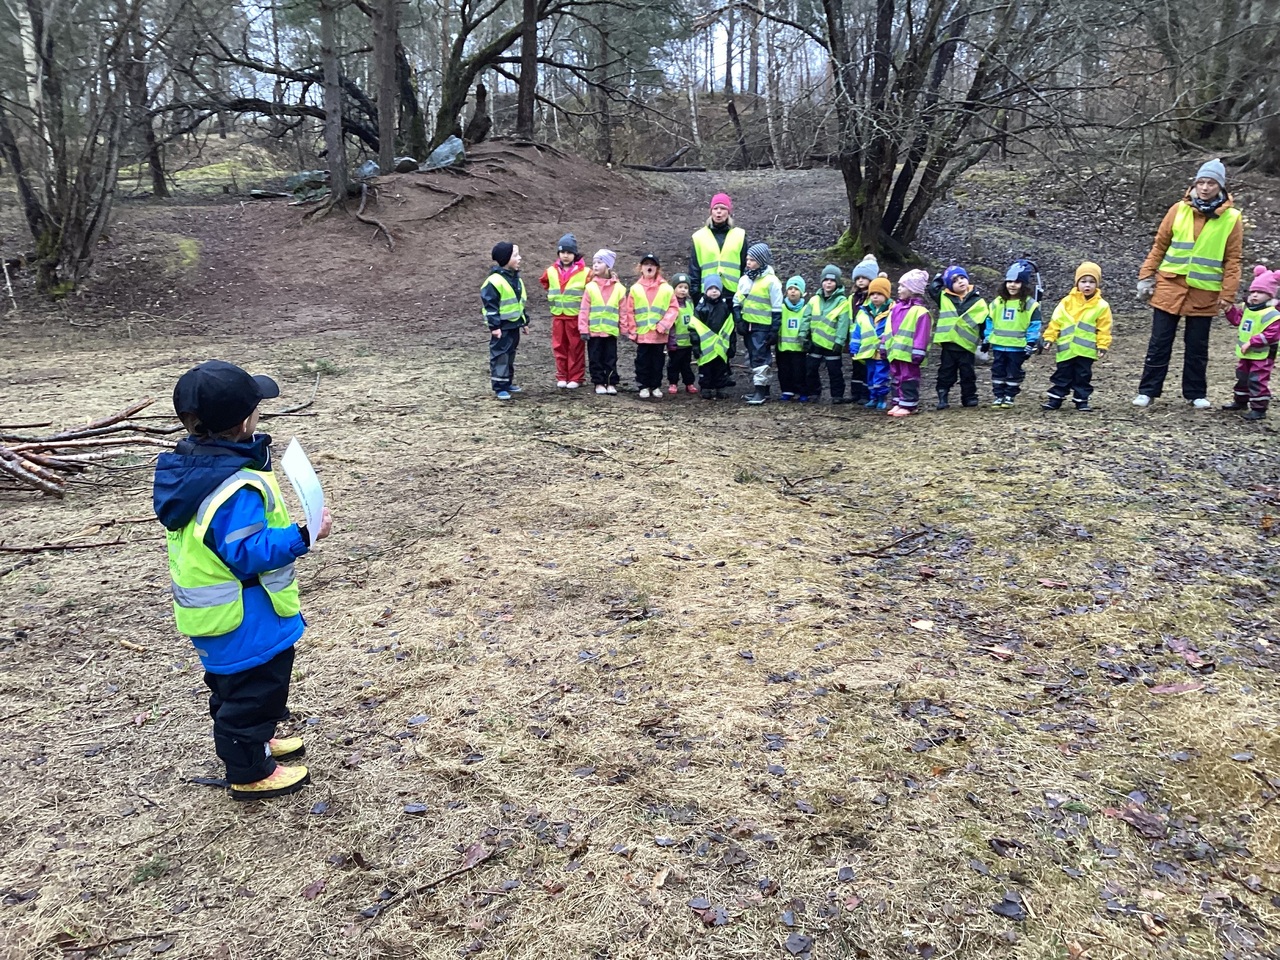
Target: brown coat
x=1172 y=294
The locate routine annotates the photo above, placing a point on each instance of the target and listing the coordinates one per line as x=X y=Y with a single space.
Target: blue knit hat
x=952 y=274
x=568 y=244
x=798 y=282
x=868 y=267
x=759 y=252
x=712 y=280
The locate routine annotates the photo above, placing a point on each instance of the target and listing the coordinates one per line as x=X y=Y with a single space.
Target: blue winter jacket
x=183 y=479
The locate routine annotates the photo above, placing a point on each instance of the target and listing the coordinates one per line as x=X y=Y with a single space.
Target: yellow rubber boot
x=287 y=748
x=282 y=781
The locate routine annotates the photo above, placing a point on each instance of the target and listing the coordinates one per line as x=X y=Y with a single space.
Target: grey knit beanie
x=759 y=252
x=1214 y=170
x=868 y=268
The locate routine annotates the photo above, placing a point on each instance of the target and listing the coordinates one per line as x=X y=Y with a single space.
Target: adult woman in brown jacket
x=1169 y=279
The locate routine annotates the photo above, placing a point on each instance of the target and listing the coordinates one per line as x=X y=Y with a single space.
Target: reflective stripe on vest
x=208 y=599
x=824 y=320
x=712 y=343
x=962 y=329
x=602 y=315
x=789 y=336
x=868 y=339
x=680 y=329
x=649 y=315
x=510 y=307
x=1255 y=321
x=725 y=261
x=1199 y=259
x=1010 y=322
x=903 y=342
x=1078 y=336
x=757 y=305
x=566 y=301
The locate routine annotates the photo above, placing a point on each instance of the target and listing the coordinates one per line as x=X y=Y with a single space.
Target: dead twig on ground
x=18 y=566
x=287 y=411
x=575 y=449
x=44 y=547
x=885 y=550
x=476 y=855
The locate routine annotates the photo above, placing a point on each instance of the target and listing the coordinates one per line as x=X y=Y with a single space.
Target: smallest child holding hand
x=1081 y=326
x=792 y=335
x=679 y=341
x=1259 y=324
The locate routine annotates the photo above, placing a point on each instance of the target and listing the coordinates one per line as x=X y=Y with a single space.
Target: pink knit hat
x=722 y=200
x=1265 y=281
x=914 y=281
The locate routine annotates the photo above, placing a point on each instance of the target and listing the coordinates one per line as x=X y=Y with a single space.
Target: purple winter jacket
x=924 y=327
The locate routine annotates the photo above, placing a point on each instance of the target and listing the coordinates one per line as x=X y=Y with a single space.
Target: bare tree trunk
x=526 y=94
x=773 y=81
x=333 y=142
x=728 y=53
x=135 y=77
x=752 y=38
x=600 y=94
x=691 y=91
x=386 y=30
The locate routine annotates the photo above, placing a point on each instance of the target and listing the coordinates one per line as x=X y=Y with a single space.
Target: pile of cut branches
x=46 y=463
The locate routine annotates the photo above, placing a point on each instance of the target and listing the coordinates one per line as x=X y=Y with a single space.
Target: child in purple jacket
x=906 y=341
x=1259 y=325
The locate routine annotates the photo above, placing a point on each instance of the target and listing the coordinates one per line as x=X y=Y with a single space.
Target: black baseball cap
x=651 y=256
x=221 y=394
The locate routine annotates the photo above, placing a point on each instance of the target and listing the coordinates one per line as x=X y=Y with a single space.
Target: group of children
x=782 y=327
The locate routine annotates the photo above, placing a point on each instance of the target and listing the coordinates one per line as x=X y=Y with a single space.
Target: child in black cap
x=503 y=299
x=231 y=552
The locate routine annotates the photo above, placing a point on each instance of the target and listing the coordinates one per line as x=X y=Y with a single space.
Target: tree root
x=371 y=221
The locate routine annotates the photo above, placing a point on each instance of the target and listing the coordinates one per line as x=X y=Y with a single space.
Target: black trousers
x=957 y=364
x=649 y=360
x=858 y=391
x=1006 y=372
x=714 y=374
x=791 y=371
x=834 y=362
x=602 y=361
x=1072 y=376
x=1195 y=356
x=246 y=707
x=680 y=366
x=502 y=359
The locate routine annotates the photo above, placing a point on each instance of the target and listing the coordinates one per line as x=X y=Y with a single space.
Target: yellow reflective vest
x=649 y=315
x=1255 y=321
x=725 y=261
x=510 y=307
x=566 y=300
x=208 y=599
x=1077 y=333
x=602 y=314
x=962 y=329
x=1199 y=259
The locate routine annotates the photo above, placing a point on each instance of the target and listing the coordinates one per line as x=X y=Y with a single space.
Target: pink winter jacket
x=924 y=326
x=627 y=315
x=584 y=311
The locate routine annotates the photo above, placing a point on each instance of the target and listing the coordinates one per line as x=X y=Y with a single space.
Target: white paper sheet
x=302 y=475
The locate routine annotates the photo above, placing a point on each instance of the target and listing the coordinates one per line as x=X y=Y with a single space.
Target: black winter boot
x=1255 y=415
x=1236 y=404
x=1053 y=403
x=943 y=402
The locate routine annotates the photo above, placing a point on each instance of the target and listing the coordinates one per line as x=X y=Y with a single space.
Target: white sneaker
x=572 y=385
x=562 y=384
x=656 y=394
x=1142 y=400
x=611 y=389
x=1200 y=403
x=602 y=390
x=644 y=393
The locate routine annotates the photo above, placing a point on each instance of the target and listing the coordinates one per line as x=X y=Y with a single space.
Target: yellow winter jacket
x=1074 y=304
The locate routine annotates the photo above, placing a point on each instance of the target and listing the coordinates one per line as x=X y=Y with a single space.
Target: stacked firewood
x=45 y=463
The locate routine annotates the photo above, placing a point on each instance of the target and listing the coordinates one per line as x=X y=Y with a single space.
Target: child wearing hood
x=564 y=281
x=875 y=312
x=231 y=550
x=962 y=316
x=503 y=300
x=791 y=342
x=598 y=321
x=828 y=316
x=648 y=313
x=1081 y=326
x=1012 y=331
x=679 y=343
x=907 y=336
x=711 y=331
x=1259 y=335
x=758 y=304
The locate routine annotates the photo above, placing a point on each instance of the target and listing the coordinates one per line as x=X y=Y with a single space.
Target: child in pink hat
x=906 y=341
x=1259 y=324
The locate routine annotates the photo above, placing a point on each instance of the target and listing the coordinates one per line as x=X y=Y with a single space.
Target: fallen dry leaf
x=313 y=889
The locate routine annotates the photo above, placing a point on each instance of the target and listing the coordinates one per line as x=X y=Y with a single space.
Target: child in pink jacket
x=1256 y=344
x=906 y=341
x=648 y=313
x=598 y=321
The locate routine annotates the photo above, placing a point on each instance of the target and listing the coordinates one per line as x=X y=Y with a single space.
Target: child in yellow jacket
x=1081 y=327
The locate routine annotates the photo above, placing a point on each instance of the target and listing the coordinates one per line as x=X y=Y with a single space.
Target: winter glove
x=1030 y=349
x=984 y=346
x=1102 y=355
x=1146 y=288
x=1234 y=315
